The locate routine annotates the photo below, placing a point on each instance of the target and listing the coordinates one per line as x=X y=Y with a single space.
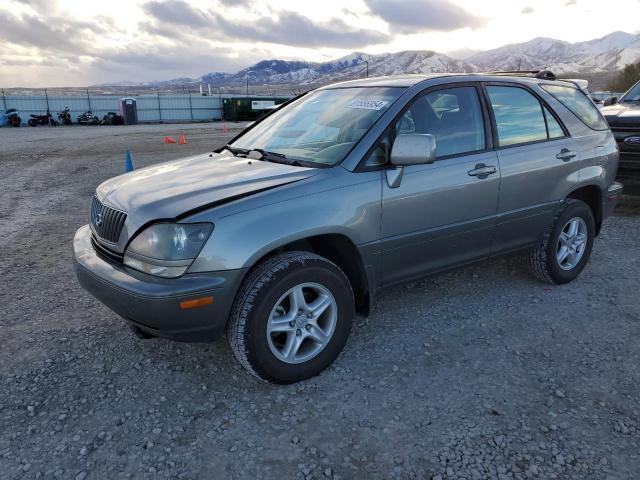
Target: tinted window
x=518 y=115
x=553 y=127
x=452 y=115
x=576 y=101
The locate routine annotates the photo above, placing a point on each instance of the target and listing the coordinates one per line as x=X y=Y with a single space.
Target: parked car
x=282 y=235
x=623 y=116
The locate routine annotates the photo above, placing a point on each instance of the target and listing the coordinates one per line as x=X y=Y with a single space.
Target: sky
x=83 y=42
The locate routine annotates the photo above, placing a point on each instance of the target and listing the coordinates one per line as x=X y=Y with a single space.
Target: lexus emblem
x=98 y=219
x=632 y=140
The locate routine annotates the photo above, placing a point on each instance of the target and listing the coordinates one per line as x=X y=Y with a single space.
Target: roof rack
x=542 y=74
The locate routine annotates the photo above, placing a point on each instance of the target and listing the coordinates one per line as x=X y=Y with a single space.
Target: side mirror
x=610 y=101
x=413 y=149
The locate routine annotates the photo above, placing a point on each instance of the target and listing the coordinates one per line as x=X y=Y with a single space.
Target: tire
x=268 y=295
x=33 y=122
x=546 y=260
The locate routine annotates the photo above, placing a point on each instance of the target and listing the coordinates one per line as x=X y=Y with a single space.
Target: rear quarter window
x=578 y=103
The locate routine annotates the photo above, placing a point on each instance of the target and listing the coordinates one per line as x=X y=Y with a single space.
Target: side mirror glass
x=610 y=101
x=413 y=149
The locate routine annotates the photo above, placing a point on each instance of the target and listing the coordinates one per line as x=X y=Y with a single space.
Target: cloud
x=287 y=28
x=423 y=15
x=53 y=33
x=570 y=2
x=177 y=12
x=527 y=10
x=291 y=28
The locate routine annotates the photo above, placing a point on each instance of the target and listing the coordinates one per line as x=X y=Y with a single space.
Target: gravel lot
x=475 y=374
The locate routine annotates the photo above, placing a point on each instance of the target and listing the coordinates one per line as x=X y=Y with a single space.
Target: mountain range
x=606 y=54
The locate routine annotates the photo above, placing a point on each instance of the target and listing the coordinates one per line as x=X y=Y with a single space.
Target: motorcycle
x=112 y=118
x=65 y=116
x=12 y=117
x=46 y=119
x=88 y=118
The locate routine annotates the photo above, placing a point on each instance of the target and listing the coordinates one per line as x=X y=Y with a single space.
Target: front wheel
x=566 y=248
x=292 y=317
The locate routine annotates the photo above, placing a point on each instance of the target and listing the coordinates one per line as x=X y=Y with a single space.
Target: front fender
x=239 y=240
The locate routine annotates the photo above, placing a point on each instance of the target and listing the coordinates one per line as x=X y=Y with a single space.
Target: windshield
x=323 y=126
x=633 y=95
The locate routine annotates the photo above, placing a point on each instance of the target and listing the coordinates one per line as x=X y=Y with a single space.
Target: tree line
x=625 y=78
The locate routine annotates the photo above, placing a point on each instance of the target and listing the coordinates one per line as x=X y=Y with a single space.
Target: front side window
x=452 y=115
x=518 y=114
x=578 y=103
x=323 y=126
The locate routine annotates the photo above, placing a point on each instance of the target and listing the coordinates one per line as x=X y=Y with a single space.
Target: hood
x=622 y=114
x=172 y=189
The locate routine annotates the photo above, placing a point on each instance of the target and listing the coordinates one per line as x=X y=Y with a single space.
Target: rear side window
x=555 y=130
x=518 y=114
x=578 y=103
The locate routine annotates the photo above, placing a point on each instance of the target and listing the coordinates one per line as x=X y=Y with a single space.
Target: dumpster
x=249 y=108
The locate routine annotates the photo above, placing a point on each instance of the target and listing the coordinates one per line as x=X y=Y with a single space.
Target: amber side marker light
x=196 y=302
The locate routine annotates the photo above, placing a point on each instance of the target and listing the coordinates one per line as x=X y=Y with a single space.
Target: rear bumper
x=154 y=304
x=612 y=196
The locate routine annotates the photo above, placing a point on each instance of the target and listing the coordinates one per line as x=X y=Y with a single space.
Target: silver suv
x=282 y=235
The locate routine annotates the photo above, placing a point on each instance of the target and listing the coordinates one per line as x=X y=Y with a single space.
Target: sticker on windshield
x=367 y=104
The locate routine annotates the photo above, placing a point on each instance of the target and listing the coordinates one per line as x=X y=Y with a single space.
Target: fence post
x=159 y=109
x=88 y=100
x=190 y=106
x=46 y=99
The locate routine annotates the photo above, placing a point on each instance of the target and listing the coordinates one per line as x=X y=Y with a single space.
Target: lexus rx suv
x=281 y=236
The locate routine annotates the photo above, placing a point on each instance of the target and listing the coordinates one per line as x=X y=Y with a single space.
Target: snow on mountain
x=608 y=53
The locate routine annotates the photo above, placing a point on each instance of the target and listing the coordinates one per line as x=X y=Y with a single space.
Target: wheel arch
x=342 y=251
x=590 y=194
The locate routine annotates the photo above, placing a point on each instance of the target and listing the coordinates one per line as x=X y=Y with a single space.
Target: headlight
x=167 y=249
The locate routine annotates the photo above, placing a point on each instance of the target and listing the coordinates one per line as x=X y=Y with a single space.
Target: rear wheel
x=566 y=248
x=33 y=122
x=292 y=317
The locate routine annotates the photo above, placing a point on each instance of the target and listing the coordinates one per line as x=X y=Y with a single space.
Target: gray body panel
x=426 y=227
x=437 y=216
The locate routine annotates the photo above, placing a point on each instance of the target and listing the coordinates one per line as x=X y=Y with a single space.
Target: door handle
x=482 y=170
x=565 y=155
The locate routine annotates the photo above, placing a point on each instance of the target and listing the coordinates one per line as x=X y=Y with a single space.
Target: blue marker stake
x=128 y=162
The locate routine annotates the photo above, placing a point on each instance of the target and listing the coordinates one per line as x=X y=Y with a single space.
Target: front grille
x=106 y=222
x=105 y=252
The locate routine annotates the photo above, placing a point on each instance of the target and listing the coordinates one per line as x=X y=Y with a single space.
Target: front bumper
x=154 y=304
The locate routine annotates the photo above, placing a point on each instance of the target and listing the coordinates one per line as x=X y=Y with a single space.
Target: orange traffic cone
x=182 y=140
x=225 y=129
x=169 y=140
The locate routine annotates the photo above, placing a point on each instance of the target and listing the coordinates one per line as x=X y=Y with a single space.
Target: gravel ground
x=475 y=374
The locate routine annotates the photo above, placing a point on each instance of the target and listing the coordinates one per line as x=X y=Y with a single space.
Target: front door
x=441 y=214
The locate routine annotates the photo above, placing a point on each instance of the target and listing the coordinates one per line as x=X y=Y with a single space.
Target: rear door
x=538 y=164
x=442 y=214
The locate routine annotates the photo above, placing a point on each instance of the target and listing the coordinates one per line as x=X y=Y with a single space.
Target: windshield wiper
x=235 y=151
x=263 y=155
x=274 y=157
